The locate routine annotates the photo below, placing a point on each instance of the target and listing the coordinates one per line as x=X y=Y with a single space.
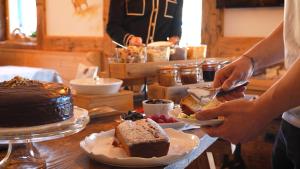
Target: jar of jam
x=209 y=70
x=189 y=74
x=168 y=76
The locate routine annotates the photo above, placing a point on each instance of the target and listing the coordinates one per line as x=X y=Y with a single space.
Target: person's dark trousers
x=286 y=150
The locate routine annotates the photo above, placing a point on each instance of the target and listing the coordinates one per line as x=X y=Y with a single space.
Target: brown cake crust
x=25 y=103
x=142 y=138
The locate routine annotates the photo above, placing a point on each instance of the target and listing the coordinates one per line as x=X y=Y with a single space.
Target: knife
x=217 y=92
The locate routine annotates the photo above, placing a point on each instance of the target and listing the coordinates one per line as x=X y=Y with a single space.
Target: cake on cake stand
x=22 y=153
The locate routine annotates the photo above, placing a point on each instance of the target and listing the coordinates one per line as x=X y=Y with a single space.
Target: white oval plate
x=213 y=122
x=175 y=125
x=99 y=147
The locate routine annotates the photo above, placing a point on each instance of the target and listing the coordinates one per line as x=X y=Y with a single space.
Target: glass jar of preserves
x=209 y=70
x=168 y=76
x=190 y=74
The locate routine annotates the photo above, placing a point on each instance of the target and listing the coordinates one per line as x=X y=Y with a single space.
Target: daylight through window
x=22 y=17
x=191 y=23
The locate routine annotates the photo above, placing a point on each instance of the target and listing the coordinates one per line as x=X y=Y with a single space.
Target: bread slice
x=190 y=104
x=142 y=138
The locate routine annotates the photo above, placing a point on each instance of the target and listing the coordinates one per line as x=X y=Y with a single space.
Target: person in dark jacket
x=137 y=22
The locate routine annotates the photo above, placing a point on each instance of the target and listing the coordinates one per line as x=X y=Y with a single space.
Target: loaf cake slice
x=142 y=138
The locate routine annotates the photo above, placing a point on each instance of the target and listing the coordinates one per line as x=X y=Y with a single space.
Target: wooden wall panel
x=213 y=34
x=12 y=53
x=41 y=26
x=2 y=20
x=65 y=63
x=233 y=46
x=64 y=53
x=212 y=26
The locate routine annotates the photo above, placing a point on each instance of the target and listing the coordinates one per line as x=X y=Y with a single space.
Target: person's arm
x=265 y=53
x=114 y=25
x=176 y=30
x=268 y=51
x=283 y=95
x=245 y=119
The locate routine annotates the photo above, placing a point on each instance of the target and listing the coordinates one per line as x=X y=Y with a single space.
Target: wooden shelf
x=259 y=85
x=122 y=101
x=140 y=70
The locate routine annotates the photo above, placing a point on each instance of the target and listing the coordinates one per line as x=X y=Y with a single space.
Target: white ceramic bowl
x=161 y=108
x=101 y=86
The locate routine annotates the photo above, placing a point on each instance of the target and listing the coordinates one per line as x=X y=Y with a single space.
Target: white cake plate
x=22 y=153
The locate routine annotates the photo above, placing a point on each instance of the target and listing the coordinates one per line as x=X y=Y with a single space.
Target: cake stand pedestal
x=22 y=154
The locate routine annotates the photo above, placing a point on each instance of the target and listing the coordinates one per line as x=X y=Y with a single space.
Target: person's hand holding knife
x=237 y=126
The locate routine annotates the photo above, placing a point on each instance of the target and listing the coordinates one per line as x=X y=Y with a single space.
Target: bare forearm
x=269 y=51
x=283 y=95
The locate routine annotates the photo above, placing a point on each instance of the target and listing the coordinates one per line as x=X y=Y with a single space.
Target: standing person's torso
x=292 y=48
x=150 y=19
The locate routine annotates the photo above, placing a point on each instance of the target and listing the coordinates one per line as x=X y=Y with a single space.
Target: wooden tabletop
x=66 y=153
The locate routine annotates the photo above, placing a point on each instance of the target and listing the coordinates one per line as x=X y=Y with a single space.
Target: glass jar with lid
x=190 y=74
x=168 y=76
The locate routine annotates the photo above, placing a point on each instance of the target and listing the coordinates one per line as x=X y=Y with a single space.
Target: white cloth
x=41 y=74
x=292 y=49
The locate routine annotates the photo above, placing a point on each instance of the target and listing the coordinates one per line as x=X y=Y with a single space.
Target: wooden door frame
x=3 y=24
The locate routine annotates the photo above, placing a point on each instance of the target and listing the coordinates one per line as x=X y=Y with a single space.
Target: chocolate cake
x=142 y=138
x=25 y=103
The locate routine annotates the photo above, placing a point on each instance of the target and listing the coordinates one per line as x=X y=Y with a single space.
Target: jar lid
x=210 y=65
x=169 y=67
x=189 y=66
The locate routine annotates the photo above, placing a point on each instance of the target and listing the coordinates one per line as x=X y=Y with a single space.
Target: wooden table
x=65 y=152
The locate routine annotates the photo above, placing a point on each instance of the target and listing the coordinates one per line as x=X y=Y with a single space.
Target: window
x=22 y=15
x=191 y=23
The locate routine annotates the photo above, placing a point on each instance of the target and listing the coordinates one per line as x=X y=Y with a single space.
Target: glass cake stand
x=21 y=151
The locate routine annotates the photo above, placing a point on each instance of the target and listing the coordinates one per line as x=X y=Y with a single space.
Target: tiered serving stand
x=22 y=153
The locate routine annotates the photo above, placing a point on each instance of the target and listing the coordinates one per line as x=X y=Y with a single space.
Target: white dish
x=213 y=122
x=99 y=147
x=176 y=125
x=159 y=108
x=101 y=86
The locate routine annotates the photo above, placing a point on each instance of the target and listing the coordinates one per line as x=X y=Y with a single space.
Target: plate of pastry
x=189 y=105
x=141 y=143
